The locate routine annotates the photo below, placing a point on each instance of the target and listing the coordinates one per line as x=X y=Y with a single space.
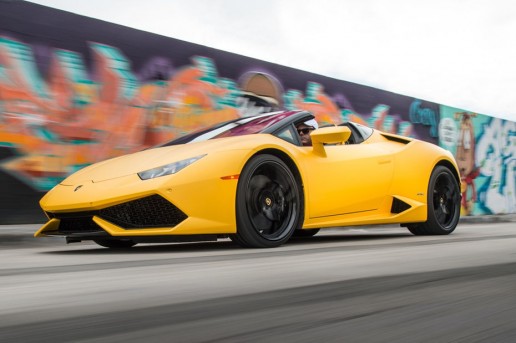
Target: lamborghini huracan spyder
x=252 y=180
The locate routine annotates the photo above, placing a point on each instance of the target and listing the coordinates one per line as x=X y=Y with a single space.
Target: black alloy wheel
x=443 y=204
x=269 y=205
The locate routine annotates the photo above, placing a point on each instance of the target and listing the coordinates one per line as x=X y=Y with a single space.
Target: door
x=350 y=179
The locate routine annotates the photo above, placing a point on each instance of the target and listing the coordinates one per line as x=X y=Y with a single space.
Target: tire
x=305 y=233
x=115 y=243
x=443 y=204
x=269 y=203
x=237 y=240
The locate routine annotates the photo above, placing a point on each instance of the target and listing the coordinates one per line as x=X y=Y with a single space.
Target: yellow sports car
x=258 y=180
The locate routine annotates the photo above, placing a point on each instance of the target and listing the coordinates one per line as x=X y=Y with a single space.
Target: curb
x=495 y=218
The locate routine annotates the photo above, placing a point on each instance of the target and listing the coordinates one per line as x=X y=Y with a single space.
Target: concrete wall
x=75 y=90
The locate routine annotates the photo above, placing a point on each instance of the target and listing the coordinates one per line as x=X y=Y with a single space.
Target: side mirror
x=329 y=135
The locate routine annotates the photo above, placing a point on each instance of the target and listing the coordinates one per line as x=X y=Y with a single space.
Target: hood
x=152 y=158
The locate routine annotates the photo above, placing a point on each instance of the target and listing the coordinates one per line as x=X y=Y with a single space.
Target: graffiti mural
x=496 y=155
x=76 y=117
x=69 y=98
x=71 y=120
x=485 y=150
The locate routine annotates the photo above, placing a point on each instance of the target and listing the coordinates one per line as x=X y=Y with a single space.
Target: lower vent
x=79 y=225
x=149 y=212
x=398 y=206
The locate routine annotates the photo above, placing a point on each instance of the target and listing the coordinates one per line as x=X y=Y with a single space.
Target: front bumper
x=130 y=207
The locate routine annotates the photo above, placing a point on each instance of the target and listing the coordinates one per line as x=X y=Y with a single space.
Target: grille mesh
x=151 y=211
x=148 y=212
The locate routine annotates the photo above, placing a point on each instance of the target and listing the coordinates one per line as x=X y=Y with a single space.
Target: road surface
x=353 y=285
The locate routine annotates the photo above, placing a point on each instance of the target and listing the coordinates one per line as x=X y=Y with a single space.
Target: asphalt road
x=375 y=285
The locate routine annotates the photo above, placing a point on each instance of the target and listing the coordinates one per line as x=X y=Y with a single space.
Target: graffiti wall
x=485 y=150
x=74 y=95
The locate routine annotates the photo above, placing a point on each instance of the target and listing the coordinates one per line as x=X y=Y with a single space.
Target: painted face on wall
x=466 y=145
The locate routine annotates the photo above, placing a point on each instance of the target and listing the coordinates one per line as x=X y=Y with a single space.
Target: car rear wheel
x=269 y=203
x=443 y=204
x=115 y=243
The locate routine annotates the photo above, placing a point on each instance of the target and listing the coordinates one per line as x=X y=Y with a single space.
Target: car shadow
x=222 y=245
x=347 y=237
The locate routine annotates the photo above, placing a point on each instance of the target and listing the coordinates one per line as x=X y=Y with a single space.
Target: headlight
x=168 y=169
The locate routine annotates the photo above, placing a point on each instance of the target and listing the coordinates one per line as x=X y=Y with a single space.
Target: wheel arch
x=287 y=160
x=452 y=168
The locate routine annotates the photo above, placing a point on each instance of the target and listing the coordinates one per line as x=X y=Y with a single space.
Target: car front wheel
x=269 y=203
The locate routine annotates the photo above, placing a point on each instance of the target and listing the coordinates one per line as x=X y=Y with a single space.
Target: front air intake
x=149 y=212
x=78 y=223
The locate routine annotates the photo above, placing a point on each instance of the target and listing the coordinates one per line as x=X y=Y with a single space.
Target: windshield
x=237 y=127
